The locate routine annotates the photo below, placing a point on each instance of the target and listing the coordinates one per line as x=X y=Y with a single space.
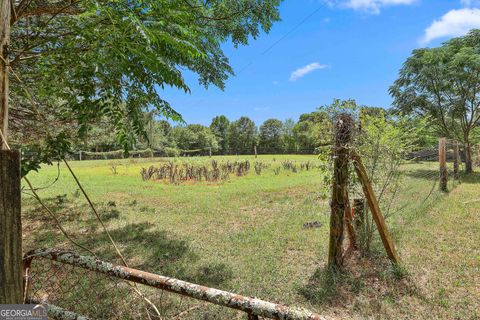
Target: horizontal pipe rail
x=252 y=306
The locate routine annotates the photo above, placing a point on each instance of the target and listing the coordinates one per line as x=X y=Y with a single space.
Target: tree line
x=222 y=137
x=310 y=134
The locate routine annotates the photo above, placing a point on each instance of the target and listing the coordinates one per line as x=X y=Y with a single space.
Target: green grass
x=246 y=235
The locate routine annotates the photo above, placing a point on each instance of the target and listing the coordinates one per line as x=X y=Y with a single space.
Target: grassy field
x=246 y=235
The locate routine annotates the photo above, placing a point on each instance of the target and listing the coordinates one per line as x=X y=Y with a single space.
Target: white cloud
x=374 y=6
x=300 y=72
x=452 y=24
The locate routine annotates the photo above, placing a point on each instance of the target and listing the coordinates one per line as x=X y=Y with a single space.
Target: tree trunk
x=442 y=159
x=10 y=229
x=5 y=8
x=468 y=157
x=456 y=162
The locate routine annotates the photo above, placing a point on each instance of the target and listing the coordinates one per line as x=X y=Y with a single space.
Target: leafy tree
x=205 y=139
x=165 y=127
x=90 y=59
x=288 y=136
x=271 y=137
x=195 y=137
x=219 y=127
x=444 y=84
x=366 y=111
x=159 y=134
x=242 y=135
x=100 y=137
x=312 y=131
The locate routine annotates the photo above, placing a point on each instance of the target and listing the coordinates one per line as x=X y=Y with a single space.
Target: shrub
x=171 y=152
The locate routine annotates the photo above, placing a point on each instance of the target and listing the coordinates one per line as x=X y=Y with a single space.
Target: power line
x=273 y=45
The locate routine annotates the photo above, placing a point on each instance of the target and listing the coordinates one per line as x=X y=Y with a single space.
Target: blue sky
x=346 y=49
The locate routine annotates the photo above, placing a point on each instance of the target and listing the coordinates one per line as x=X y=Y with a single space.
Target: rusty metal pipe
x=252 y=306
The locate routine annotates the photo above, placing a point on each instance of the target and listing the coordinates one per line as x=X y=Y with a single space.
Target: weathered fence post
x=11 y=281
x=343 y=126
x=442 y=159
x=349 y=222
x=456 y=158
x=374 y=208
x=255 y=151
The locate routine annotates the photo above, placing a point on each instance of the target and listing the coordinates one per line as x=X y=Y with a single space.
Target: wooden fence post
x=352 y=237
x=255 y=150
x=11 y=281
x=456 y=158
x=442 y=159
x=343 y=127
x=375 y=208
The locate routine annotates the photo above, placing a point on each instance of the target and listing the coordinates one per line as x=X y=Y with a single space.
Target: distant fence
x=431 y=154
x=81 y=287
x=172 y=152
x=447 y=151
x=146 y=153
x=116 y=154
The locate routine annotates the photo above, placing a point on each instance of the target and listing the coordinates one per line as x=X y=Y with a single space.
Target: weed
x=145 y=209
x=114 y=167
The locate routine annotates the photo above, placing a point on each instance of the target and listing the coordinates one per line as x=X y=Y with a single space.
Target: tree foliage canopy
x=271 y=136
x=85 y=59
x=444 y=83
x=194 y=137
x=219 y=127
x=242 y=135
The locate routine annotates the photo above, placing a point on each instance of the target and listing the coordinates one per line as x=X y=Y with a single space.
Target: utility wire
x=273 y=45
